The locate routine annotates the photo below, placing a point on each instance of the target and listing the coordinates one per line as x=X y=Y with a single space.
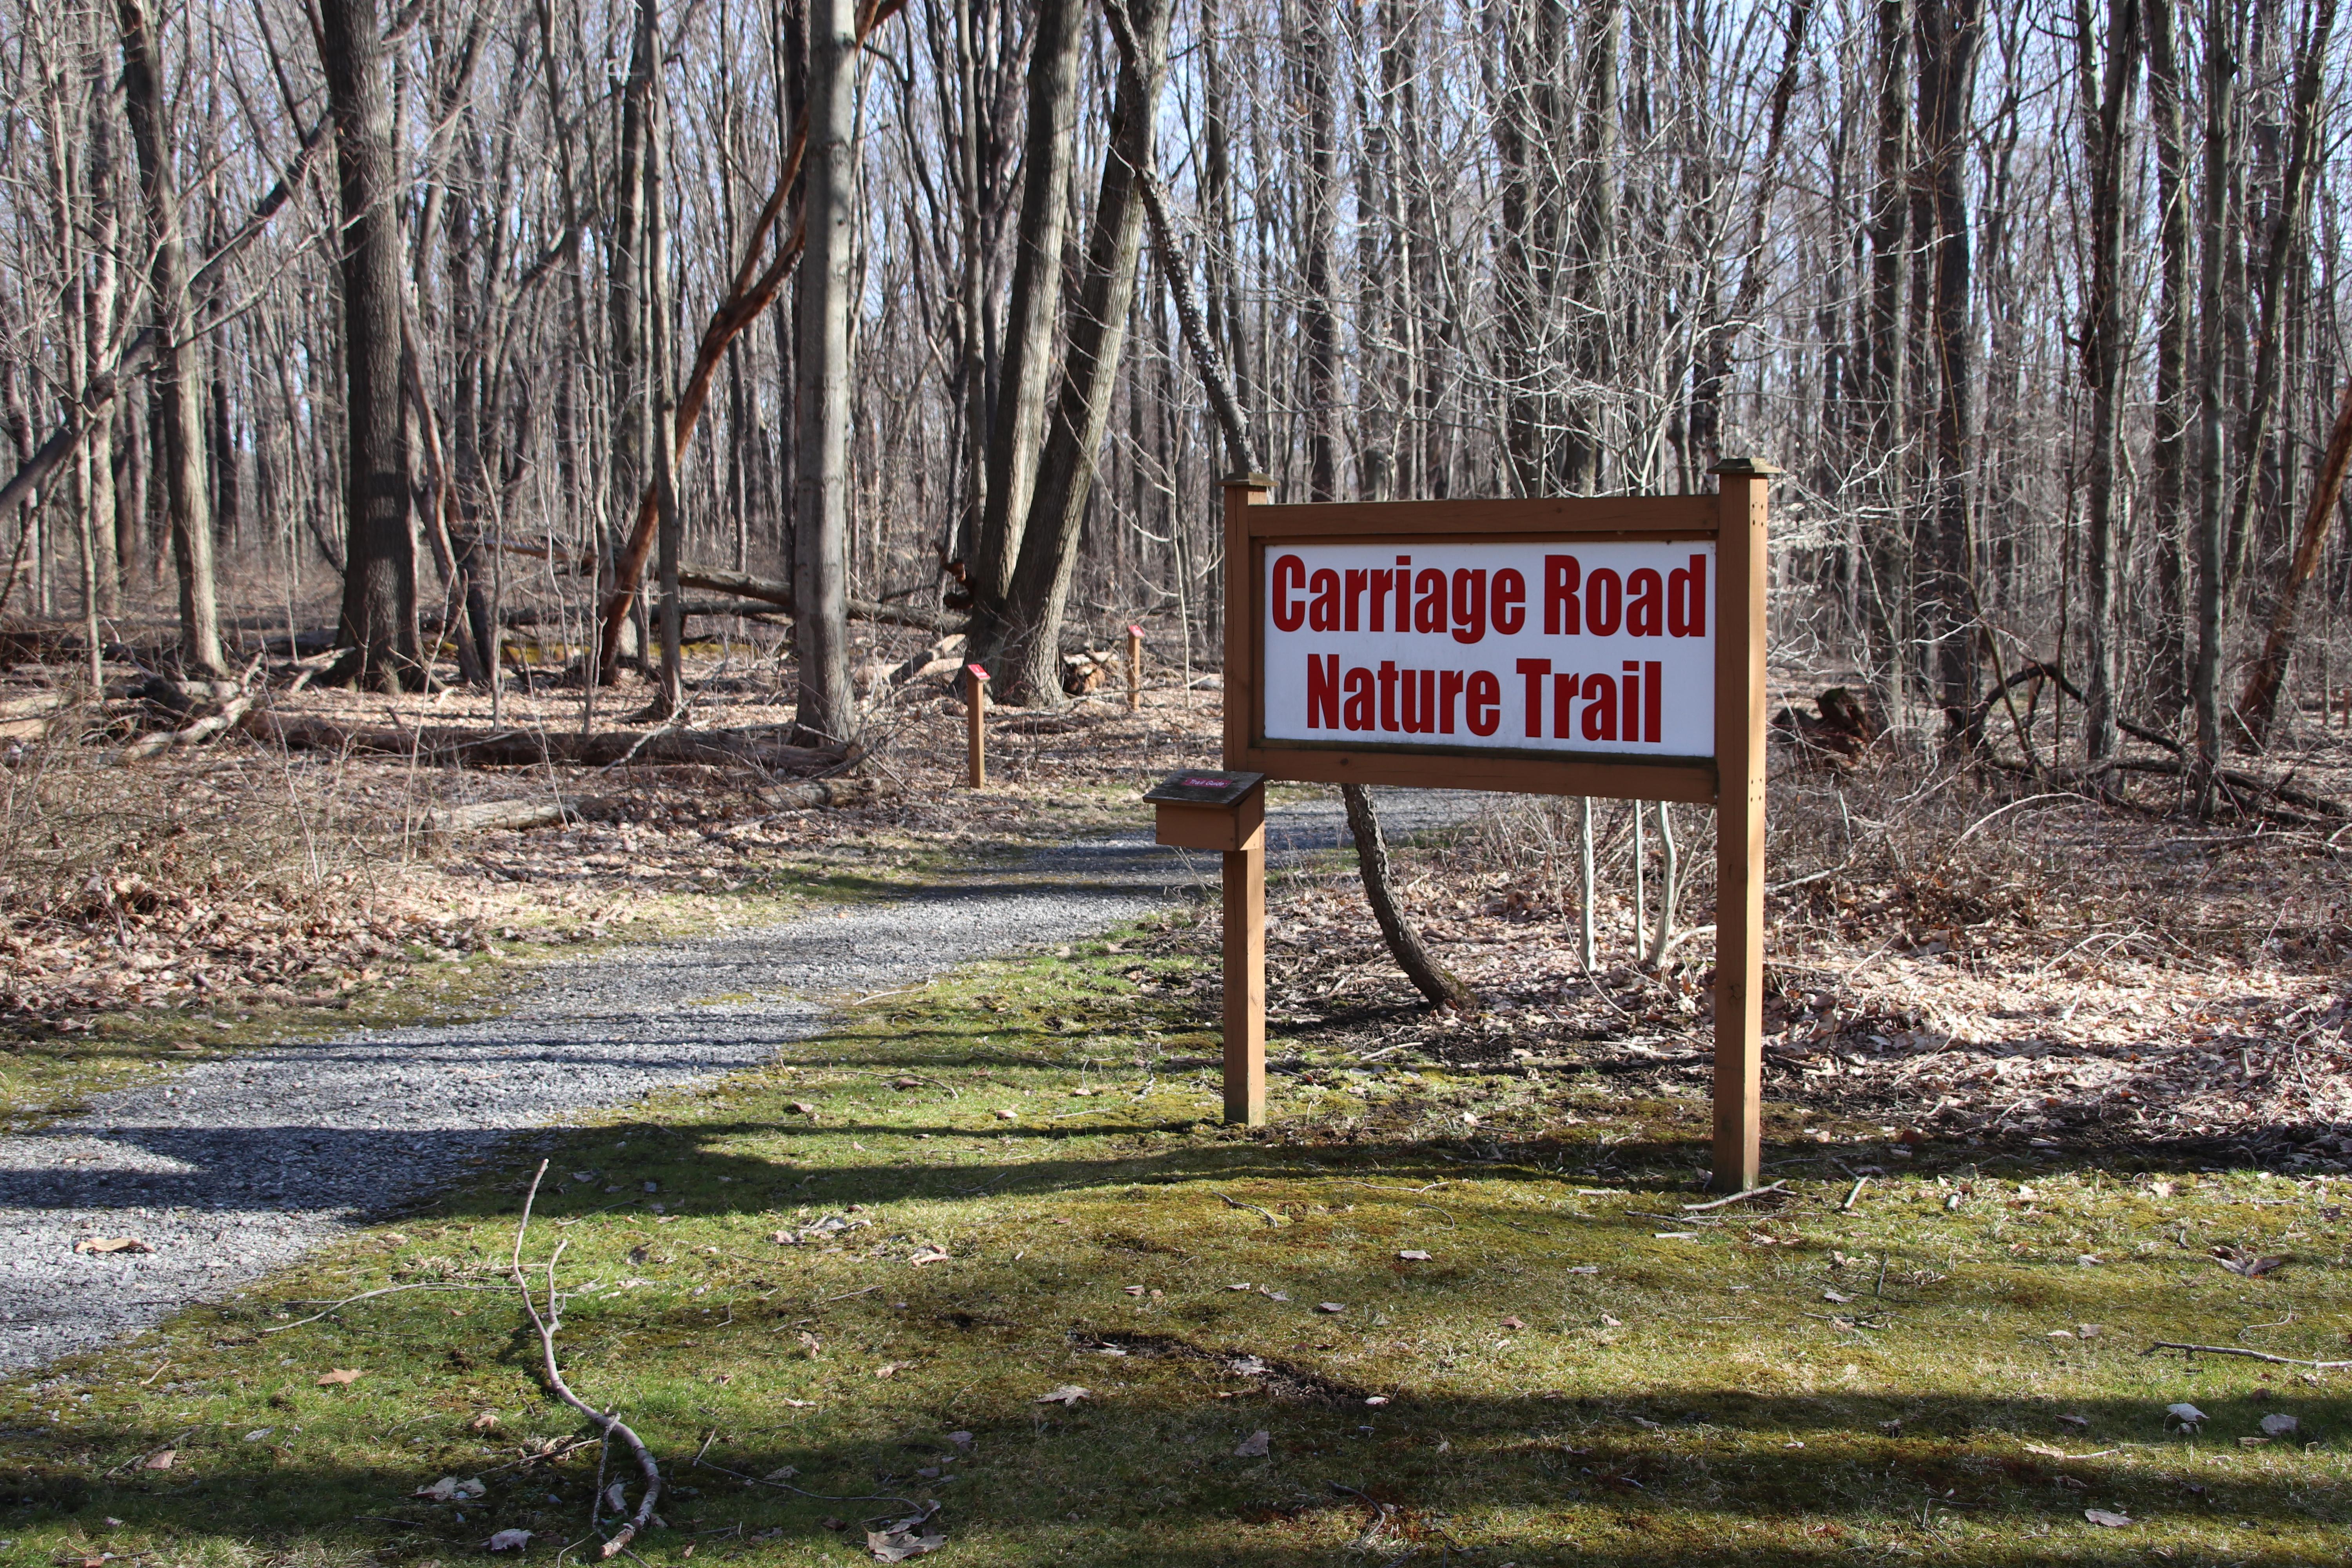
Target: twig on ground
x=1737 y=1198
x=609 y=1425
x=702 y=1463
x=1236 y=1203
x=1859 y=1183
x=2239 y=1350
x=366 y=1295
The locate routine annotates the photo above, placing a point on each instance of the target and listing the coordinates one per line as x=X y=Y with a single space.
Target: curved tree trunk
x=1430 y=978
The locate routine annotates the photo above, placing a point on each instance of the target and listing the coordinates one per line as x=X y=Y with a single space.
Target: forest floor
x=2048 y=1081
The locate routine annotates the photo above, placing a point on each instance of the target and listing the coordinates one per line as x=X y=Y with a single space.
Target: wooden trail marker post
x=975 y=709
x=1134 y=667
x=1610 y=646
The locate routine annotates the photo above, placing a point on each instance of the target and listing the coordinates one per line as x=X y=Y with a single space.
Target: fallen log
x=450 y=747
x=233 y=713
x=518 y=816
x=490 y=816
x=718 y=580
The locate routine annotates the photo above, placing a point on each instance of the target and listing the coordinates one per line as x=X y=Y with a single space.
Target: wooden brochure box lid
x=1207 y=808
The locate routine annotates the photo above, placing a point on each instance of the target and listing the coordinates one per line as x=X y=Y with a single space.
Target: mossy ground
x=1581 y=1372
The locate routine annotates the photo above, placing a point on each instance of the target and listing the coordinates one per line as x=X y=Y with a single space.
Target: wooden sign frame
x=1733 y=520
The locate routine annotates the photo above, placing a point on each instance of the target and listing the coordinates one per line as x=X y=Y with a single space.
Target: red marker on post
x=976 y=688
x=1134 y=667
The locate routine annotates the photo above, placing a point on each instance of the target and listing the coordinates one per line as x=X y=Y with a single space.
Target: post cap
x=1745 y=467
x=1249 y=481
x=977 y=673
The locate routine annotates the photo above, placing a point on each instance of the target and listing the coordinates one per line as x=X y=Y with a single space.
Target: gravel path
x=237 y=1166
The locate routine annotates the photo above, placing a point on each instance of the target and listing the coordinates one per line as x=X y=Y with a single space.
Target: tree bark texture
x=379 y=608
x=2107 y=100
x=1015 y=440
x=827 y=706
x=178 y=383
x=1031 y=625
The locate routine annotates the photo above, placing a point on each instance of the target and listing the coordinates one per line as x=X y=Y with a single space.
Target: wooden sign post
x=1134 y=667
x=975 y=709
x=1610 y=646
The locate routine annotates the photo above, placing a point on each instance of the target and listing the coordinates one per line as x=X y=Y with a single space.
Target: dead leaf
x=1067 y=1396
x=341 y=1376
x=484 y=1422
x=2102 y=1517
x=929 y=1255
x=103 y=1244
x=2185 y=1414
x=2237 y=1260
x=2046 y=1451
x=449 y=1489
x=890 y=1369
x=1331 y=1307
x=900 y=1542
x=1008 y=1115
x=1513 y=1323
x=1840 y=1296
x=2081 y=1421
x=508 y=1541
x=2281 y=1426
x=1134 y=1290
x=1255 y=1445
x=1413 y=1255
x=831 y=1522
x=804 y=1108
x=161 y=1460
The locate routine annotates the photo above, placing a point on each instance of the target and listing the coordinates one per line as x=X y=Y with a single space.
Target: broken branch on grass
x=2239 y=1351
x=609 y=1425
x=1737 y=1197
x=1855 y=1191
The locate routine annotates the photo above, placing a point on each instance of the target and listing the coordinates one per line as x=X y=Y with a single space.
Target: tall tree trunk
x=660 y=378
x=827 y=706
x=2169 y=446
x=379 y=610
x=1592 y=278
x=2220 y=122
x=179 y=381
x=102 y=303
x=625 y=315
x=1318 y=323
x=2105 y=101
x=1016 y=437
x=1887 y=550
x=1949 y=35
x=1030 y=660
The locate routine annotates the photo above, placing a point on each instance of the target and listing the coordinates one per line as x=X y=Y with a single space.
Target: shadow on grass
x=1149 y=1476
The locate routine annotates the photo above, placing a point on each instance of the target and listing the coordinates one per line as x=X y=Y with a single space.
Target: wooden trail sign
x=1604 y=647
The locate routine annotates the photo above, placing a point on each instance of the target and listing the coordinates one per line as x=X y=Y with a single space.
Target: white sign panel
x=1605 y=648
